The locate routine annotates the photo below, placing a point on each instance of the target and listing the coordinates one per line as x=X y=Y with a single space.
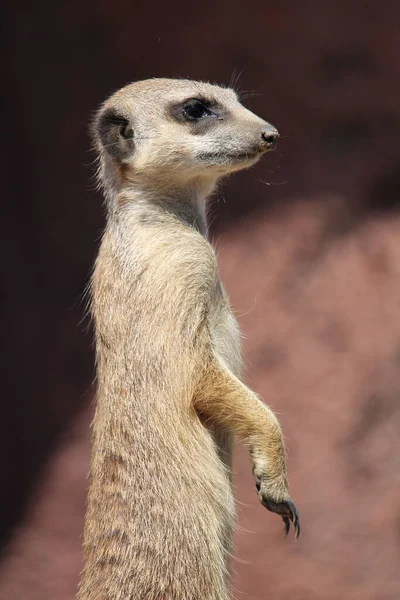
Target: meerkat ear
x=115 y=134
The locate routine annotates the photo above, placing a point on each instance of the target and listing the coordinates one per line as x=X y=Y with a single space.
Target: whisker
x=244 y=94
x=272 y=182
x=236 y=75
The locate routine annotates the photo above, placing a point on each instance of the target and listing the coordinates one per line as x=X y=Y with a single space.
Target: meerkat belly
x=226 y=341
x=225 y=331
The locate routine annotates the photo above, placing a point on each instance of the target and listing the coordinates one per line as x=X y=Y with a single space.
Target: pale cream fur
x=169 y=395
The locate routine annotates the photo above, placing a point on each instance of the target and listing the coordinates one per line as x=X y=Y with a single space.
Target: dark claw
x=286 y=520
x=296 y=520
x=288 y=512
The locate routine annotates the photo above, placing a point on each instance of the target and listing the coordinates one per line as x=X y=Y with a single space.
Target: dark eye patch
x=195 y=109
x=198 y=112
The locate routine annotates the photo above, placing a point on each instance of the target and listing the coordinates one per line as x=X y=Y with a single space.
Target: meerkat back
x=169 y=396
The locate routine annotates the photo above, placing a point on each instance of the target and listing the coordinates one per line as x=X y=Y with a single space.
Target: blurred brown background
x=309 y=245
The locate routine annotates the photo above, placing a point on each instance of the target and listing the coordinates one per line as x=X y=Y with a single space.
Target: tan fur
x=160 y=505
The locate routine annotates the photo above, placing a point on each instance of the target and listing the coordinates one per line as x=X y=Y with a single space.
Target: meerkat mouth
x=245 y=155
x=220 y=158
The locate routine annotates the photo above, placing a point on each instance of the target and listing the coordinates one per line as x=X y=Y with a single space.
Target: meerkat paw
x=273 y=495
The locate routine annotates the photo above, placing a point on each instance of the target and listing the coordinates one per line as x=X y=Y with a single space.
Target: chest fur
x=224 y=330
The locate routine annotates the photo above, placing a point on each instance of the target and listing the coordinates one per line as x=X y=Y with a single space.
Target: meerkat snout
x=270 y=138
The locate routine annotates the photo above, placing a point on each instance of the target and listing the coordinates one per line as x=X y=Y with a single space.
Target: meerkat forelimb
x=224 y=399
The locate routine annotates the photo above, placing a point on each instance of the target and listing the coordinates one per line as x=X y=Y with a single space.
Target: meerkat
x=160 y=506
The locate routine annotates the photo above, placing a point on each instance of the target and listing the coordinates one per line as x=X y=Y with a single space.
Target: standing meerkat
x=169 y=398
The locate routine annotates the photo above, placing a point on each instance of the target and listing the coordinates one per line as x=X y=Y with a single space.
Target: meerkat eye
x=195 y=109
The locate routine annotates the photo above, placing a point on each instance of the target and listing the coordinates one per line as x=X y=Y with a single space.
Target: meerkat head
x=165 y=133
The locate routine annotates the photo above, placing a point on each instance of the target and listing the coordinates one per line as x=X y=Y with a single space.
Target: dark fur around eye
x=195 y=109
x=199 y=113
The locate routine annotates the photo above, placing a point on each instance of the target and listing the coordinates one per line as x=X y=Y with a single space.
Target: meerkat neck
x=187 y=204
x=189 y=208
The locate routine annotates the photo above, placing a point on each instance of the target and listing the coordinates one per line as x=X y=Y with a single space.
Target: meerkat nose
x=270 y=137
